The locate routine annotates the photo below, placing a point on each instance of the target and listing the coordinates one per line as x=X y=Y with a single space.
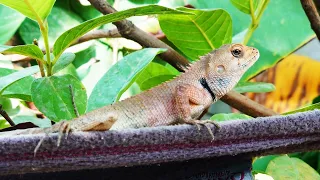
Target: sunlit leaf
x=33 y=9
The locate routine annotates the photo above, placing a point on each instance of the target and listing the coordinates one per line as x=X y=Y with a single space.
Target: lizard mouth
x=254 y=56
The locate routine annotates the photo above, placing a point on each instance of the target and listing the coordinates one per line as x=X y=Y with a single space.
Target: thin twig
x=313 y=15
x=73 y=101
x=6 y=116
x=128 y=30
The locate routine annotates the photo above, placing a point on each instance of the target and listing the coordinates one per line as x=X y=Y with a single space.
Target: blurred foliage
x=102 y=71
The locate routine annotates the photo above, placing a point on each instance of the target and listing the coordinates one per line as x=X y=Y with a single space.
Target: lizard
x=178 y=101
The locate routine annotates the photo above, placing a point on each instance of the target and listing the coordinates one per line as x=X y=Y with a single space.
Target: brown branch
x=4 y=114
x=313 y=15
x=128 y=30
x=97 y=34
x=246 y=105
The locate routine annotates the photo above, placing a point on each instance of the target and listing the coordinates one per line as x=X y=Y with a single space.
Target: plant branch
x=313 y=15
x=128 y=30
x=6 y=116
x=97 y=34
x=246 y=105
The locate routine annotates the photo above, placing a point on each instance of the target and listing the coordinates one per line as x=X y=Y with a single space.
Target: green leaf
x=261 y=163
x=154 y=81
x=119 y=77
x=52 y=96
x=42 y=123
x=244 y=5
x=256 y=87
x=144 y=1
x=29 y=29
x=284 y=167
x=33 y=9
x=10 y=21
x=229 y=116
x=29 y=50
x=316 y=100
x=153 y=69
x=86 y=12
x=5 y=81
x=84 y=56
x=69 y=36
x=307 y=108
x=64 y=60
x=8 y=107
x=196 y=35
x=19 y=89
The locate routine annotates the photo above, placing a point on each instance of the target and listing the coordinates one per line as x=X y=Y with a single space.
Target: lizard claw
x=205 y=123
x=64 y=127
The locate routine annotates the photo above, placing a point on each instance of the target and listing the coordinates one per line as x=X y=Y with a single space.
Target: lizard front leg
x=190 y=102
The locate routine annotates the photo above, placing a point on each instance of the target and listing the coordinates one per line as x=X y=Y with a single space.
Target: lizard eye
x=236 y=52
x=220 y=69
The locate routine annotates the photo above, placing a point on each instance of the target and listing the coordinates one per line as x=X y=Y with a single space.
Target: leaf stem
x=44 y=32
x=40 y=63
x=255 y=20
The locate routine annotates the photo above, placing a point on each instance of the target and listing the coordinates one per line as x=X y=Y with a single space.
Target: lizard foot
x=205 y=123
x=64 y=126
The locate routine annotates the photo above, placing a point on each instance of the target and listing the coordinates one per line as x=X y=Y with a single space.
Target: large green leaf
x=52 y=96
x=256 y=87
x=10 y=21
x=273 y=37
x=111 y=86
x=64 y=60
x=29 y=50
x=20 y=89
x=244 y=5
x=5 y=81
x=284 y=167
x=69 y=36
x=29 y=29
x=196 y=35
x=33 y=9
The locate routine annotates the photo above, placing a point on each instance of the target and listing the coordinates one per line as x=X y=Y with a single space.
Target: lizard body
x=181 y=100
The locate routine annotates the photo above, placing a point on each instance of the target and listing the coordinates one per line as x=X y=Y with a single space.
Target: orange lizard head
x=227 y=64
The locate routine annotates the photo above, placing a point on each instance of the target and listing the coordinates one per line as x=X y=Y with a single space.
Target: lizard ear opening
x=220 y=69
